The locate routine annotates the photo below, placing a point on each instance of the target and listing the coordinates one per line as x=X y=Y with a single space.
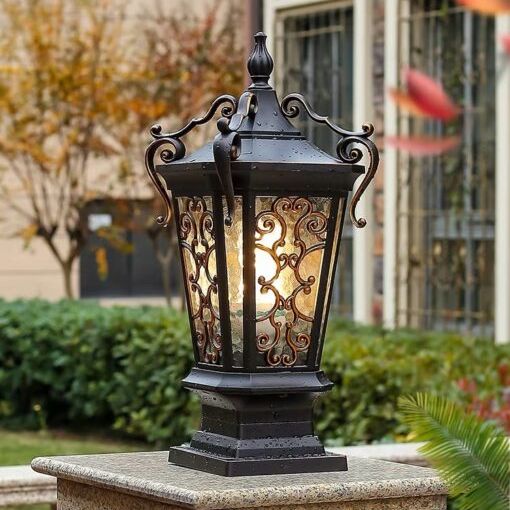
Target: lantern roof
x=266 y=134
x=258 y=146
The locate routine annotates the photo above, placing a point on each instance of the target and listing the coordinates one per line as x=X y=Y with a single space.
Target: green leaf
x=471 y=455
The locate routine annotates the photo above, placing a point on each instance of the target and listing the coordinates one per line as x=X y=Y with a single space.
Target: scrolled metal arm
x=178 y=149
x=227 y=147
x=354 y=155
x=166 y=156
x=344 y=148
x=227 y=111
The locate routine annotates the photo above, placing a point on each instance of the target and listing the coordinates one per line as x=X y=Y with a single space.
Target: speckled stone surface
x=76 y=496
x=376 y=484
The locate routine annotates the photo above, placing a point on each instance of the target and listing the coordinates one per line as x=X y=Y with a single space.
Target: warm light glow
x=269 y=247
x=240 y=287
x=234 y=252
x=266 y=266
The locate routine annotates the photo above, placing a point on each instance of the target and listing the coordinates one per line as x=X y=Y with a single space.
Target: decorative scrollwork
x=166 y=156
x=344 y=149
x=287 y=250
x=227 y=147
x=197 y=241
x=178 y=149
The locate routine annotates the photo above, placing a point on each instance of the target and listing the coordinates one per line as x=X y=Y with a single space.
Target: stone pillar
x=391 y=81
x=363 y=238
x=139 y=481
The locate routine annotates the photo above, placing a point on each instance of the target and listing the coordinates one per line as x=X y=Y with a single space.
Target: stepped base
x=249 y=466
x=256 y=424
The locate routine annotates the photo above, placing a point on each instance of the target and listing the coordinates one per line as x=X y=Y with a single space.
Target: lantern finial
x=260 y=63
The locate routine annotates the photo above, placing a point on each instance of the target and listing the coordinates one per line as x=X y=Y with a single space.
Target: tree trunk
x=165 y=255
x=67 y=273
x=66 y=264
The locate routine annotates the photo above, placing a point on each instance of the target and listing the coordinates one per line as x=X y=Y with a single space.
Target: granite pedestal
x=139 y=481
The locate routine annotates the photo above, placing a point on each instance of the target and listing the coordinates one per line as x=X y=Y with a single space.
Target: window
x=120 y=258
x=314 y=47
x=446 y=206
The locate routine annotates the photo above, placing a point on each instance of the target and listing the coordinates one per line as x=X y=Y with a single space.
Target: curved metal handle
x=227 y=147
x=178 y=149
x=166 y=156
x=345 y=152
x=373 y=163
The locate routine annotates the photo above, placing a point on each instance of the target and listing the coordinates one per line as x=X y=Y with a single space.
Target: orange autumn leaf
x=28 y=233
x=406 y=102
x=429 y=96
x=490 y=7
x=423 y=145
x=505 y=42
x=101 y=263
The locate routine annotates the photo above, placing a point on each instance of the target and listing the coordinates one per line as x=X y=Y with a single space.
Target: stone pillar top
x=150 y=476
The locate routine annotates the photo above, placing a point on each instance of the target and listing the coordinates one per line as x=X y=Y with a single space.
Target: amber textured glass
x=290 y=237
x=198 y=250
x=234 y=251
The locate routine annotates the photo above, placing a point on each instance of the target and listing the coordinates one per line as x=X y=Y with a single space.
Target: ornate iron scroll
x=227 y=147
x=344 y=149
x=178 y=148
x=197 y=238
x=289 y=249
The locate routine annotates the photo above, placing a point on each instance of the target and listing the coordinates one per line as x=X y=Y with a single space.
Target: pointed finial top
x=260 y=63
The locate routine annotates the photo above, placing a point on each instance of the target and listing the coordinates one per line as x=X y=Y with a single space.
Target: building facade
x=435 y=252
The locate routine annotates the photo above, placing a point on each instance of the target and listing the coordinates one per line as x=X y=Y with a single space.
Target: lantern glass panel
x=198 y=249
x=290 y=238
x=234 y=250
x=332 y=267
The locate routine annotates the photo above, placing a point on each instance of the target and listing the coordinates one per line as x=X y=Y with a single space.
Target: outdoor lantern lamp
x=259 y=214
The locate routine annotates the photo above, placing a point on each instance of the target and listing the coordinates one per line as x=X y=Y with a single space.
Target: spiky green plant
x=472 y=456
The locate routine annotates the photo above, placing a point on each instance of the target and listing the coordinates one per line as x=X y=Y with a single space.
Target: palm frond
x=472 y=456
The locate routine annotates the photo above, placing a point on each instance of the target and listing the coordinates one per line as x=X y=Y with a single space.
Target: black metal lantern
x=259 y=214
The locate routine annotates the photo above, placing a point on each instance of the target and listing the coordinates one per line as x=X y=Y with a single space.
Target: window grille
x=446 y=206
x=315 y=45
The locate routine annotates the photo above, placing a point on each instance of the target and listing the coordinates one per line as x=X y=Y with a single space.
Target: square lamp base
x=186 y=456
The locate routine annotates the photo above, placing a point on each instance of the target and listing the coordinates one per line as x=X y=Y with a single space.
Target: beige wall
x=29 y=272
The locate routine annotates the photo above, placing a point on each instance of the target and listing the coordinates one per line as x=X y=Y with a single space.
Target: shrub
x=74 y=364
x=79 y=362
x=372 y=368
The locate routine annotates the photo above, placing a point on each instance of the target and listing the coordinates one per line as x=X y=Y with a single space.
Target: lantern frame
x=257 y=418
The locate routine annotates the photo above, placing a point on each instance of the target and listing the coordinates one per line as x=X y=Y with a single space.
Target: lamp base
x=256 y=424
x=230 y=466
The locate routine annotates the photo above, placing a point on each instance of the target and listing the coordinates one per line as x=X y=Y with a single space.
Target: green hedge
x=371 y=368
x=73 y=363
x=76 y=364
